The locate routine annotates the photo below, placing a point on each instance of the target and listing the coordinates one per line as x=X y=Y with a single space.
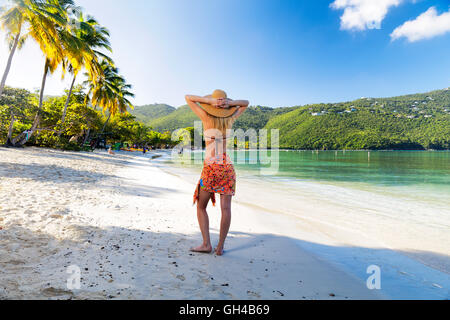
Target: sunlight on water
x=423 y=175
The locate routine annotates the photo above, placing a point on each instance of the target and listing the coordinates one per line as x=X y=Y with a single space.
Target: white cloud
x=428 y=25
x=363 y=14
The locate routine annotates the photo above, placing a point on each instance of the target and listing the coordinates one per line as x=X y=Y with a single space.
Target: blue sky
x=274 y=53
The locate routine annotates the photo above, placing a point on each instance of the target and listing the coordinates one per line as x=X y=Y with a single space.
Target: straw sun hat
x=218 y=112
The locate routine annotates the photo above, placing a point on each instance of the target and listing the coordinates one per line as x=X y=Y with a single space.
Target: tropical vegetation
x=71 y=41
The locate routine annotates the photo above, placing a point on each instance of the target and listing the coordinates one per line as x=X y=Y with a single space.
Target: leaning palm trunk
x=37 y=119
x=106 y=123
x=88 y=132
x=8 y=65
x=10 y=131
x=63 y=119
x=20 y=140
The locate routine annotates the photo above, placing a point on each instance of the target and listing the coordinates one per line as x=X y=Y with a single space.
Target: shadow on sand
x=79 y=178
x=122 y=263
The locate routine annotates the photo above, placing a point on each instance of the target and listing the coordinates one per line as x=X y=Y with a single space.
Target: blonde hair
x=222 y=124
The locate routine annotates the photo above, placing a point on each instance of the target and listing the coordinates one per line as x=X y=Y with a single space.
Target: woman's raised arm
x=218 y=103
x=242 y=104
x=192 y=102
x=238 y=103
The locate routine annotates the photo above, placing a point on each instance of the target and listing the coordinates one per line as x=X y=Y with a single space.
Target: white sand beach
x=128 y=226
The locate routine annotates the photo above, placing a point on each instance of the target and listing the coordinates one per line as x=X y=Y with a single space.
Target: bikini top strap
x=214 y=138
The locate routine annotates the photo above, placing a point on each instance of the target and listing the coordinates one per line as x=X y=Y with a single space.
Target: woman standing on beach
x=218 y=113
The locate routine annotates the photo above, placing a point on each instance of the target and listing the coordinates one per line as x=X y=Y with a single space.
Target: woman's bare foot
x=202 y=249
x=219 y=251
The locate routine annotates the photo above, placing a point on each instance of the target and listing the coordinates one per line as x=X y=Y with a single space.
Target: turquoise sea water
x=376 y=168
x=425 y=174
x=390 y=209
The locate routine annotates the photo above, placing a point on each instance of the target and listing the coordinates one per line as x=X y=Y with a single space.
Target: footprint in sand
x=16 y=262
x=253 y=294
x=181 y=277
x=53 y=292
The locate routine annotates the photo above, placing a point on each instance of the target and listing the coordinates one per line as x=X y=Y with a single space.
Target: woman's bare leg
x=203 y=221
x=225 y=204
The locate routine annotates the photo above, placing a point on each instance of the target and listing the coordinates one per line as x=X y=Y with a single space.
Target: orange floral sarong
x=218 y=176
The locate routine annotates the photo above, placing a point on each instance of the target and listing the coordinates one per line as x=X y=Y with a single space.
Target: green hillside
x=420 y=121
x=182 y=117
x=151 y=112
x=258 y=117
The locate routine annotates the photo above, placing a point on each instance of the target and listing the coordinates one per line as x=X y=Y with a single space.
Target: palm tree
x=109 y=92
x=48 y=22
x=57 y=48
x=45 y=25
x=38 y=19
x=93 y=38
x=120 y=102
x=12 y=20
x=122 y=95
